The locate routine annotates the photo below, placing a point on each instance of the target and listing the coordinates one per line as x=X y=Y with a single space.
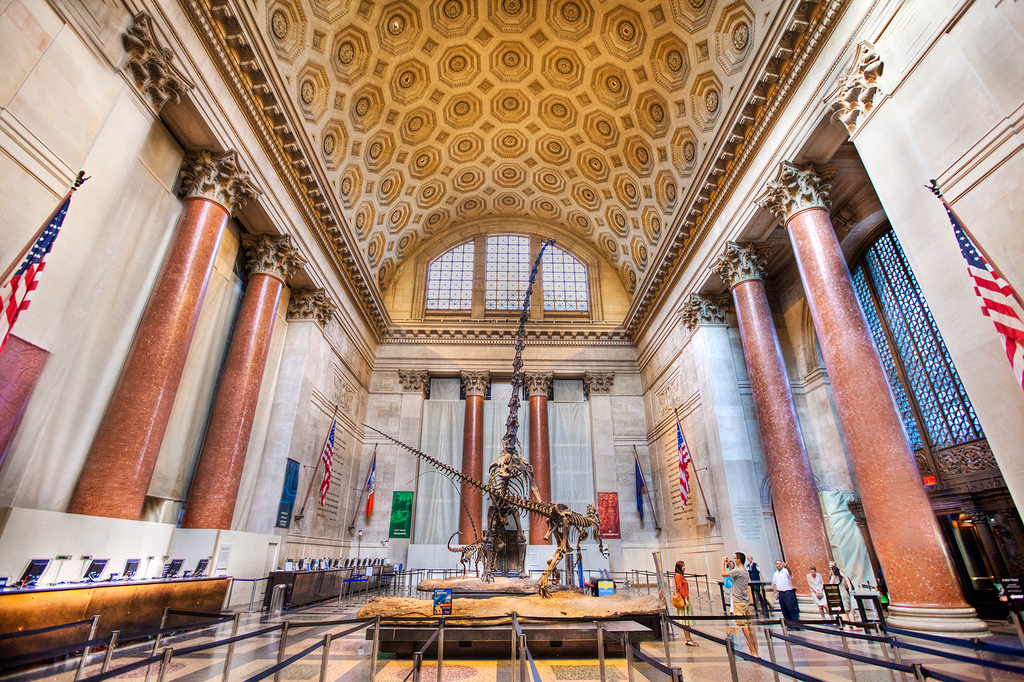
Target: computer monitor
x=95 y=570
x=131 y=567
x=200 y=568
x=175 y=566
x=34 y=571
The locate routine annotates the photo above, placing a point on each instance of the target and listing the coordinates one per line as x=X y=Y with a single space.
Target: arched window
x=508 y=272
x=565 y=282
x=450 y=280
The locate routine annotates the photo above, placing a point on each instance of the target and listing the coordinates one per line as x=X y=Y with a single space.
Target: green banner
x=401 y=514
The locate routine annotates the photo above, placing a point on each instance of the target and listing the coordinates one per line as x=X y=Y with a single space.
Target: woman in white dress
x=817 y=586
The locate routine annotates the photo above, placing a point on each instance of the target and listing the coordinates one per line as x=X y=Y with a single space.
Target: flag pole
x=707 y=509
x=21 y=256
x=934 y=188
x=309 y=489
x=647 y=492
x=362 y=491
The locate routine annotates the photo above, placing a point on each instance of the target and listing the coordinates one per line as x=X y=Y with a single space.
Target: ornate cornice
x=538 y=383
x=796 y=189
x=596 y=383
x=150 y=65
x=704 y=310
x=859 y=90
x=414 y=380
x=273 y=256
x=311 y=304
x=742 y=263
x=218 y=178
x=447 y=332
x=476 y=383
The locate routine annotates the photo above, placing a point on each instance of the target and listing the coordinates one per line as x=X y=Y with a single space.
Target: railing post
x=231 y=647
x=896 y=655
x=325 y=659
x=165 y=664
x=85 y=652
x=375 y=647
x=417 y=662
x=512 y=663
x=885 y=655
x=523 y=676
x=600 y=648
x=849 y=662
x=789 y=649
x=156 y=642
x=629 y=656
x=732 y=660
x=771 y=651
x=665 y=636
x=110 y=651
x=280 y=648
x=252 y=597
x=440 y=649
x=919 y=672
x=981 y=657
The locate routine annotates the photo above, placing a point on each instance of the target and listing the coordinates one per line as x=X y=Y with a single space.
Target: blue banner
x=291 y=487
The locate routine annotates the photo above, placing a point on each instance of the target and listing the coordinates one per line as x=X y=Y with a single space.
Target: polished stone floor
x=349 y=656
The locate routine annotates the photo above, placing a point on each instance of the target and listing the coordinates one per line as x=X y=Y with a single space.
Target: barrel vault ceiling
x=606 y=119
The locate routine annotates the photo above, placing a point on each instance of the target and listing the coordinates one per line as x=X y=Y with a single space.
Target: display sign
x=605 y=588
x=443 y=602
x=662 y=592
x=401 y=514
x=291 y=487
x=834 y=599
x=608 y=515
x=1012 y=591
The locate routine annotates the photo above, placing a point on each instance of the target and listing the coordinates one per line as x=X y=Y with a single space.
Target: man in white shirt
x=785 y=591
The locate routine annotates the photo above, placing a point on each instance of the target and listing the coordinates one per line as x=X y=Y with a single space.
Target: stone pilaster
x=860 y=90
x=414 y=380
x=703 y=310
x=311 y=304
x=598 y=382
x=150 y=65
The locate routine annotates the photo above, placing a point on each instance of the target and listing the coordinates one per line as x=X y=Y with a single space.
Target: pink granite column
x=471 y=523
x=214 y=489
x=794 y=495
x=117 y=472
x=538 y=384
x=922 y=586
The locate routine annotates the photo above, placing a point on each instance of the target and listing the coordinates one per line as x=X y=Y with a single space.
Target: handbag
x=678 y=601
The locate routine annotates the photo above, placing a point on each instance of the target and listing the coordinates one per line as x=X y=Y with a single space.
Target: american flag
x=995 y=295
x=17 y=290
x=684 y=463
x=327 y=457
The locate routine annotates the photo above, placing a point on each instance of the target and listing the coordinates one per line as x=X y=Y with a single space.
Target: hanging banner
x=291 y=487
x=608 y=514
x=401 y=514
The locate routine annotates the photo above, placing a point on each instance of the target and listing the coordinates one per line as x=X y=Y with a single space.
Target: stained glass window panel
x=508 y=272
x=565 y=282
x=450 y=280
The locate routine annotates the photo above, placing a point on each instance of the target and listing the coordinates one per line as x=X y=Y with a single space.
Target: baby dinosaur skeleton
x=475 y=552
x=563 y=523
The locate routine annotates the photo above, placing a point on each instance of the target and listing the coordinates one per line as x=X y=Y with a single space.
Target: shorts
x=741 y=608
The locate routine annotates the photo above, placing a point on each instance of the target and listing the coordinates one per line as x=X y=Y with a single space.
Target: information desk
x=131 y=606
x=308 y=587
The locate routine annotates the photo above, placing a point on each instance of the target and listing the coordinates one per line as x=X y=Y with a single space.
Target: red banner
x=608 y=513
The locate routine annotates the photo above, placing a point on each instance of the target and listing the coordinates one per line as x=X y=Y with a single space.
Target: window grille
x=565 y=282
x=450 y=280
x=508 y=272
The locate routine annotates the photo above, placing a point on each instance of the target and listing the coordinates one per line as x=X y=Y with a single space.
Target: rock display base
x=566 y=604
x=498 y=586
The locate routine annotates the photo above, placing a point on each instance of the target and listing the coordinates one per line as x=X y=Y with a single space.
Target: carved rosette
x=476 y=383
x=597 y=383
x=272 y=256
x=859 y=91
x=414 y=380
x=311 y=304
x=218 y=178
x=796 y=189
x=742 y=263
x=150 y=65
x=703 y=310
x=538 y=383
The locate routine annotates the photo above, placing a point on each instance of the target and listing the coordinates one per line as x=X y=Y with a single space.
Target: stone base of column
x=949 y=622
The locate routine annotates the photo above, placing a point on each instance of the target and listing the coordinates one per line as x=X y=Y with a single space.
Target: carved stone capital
x=596 y=383
x=538 y=383
x=742 y=262
x=796 y=189
x=217 y=177
x=273 y=256
x=414 y=380
x=859 y=90
x=150 y=65
x=704 y=310
x=476 y=383
x=311 y=304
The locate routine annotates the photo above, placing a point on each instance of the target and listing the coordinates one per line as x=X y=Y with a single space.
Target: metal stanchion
x=789 y=649
x=512 y=663
x=440 y=649
x=165 y=664
x=252 y=597
x=919 y=672
x=280 y=648
x=885 y=655
x=110 y=651
x=156 y=642
x=600 y=648
x=375 y=647
x=522 y=658
x=85 y=652
x=771 y=651
x=277 y=600
x=981 y=657
x=629 y=656
x=665 y=633
x=417 y=662
x=324 y=660
x=849 y=662
x=899 y=659
x=231 y=647
x=732 y=660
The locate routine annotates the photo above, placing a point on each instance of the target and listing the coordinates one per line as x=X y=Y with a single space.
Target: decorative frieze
x=703 y=310
x=150 y=65
x=796 y=189
x=218 y=178
x=964 y=459
x=859 y=91
x=742 y=263
x=311 y=304
x=414 y=380
x=273 y=256
x=597 y=383
x=476 y=383
x=538 y=383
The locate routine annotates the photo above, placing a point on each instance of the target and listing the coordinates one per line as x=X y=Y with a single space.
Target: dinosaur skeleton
x=472 y=554
x=565 y=525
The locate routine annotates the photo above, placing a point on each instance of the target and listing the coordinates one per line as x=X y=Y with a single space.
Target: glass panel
x=565 y=281
x=450 y=280
x=508 y=272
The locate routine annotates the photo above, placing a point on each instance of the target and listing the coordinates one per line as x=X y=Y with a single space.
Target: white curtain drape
x=572 y=461
x=848 y=548
x=437 y=498
x=495 y=417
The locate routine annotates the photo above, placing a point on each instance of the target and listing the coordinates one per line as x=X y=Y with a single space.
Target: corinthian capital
x=311 y=304
x=414 y=380
x=596 y=383
x=857 y=93
x=476 y=383
x=217 y=177
x=703 y=310
x=150 y=65
x=538 y=383
x=742 y=262
x=273 y=256
x=796 y=189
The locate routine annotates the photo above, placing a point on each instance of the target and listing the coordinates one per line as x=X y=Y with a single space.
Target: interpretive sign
x=443 y=602
x=834 y=599
x=291 y=486
x=605 y=588
x=401 y=514
x=608 y=515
